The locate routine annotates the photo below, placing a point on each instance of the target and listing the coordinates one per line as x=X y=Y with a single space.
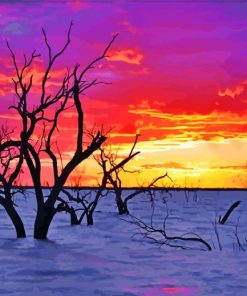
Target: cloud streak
x=129 y=56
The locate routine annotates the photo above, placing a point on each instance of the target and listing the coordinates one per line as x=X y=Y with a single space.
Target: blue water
x=110 y=259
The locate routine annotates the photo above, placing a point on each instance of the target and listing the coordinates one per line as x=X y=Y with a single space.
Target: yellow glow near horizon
x=189 y=164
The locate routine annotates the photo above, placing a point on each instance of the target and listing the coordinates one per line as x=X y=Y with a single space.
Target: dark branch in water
x=240 y=246
x=228 y=213
x=149 y=232
x=153 y=234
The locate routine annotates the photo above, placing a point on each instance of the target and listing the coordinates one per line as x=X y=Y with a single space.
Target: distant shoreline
x=136 y=188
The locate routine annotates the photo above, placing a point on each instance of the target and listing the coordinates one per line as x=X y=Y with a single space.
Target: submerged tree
x=80 y=205
x=159 y=235
x=84 y=203
x=71 y=88
x=11 y=162
x=109 y=169
x=113 y=167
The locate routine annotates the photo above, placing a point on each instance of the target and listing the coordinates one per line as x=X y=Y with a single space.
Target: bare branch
x=228 y=213
x=150 y=232
x=91 y=65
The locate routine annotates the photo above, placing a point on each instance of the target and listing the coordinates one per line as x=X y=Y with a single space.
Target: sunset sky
x=179 y=78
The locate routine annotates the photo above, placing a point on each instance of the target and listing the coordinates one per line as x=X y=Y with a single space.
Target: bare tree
x=72 y=87
x=65 y=205
x=112 y=169
x=112 y=165
x=11 y=162
x=147 y=189
x=159 y=235
x=86 y=204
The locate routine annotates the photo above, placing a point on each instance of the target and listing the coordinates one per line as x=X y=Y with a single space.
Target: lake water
x=109 y=259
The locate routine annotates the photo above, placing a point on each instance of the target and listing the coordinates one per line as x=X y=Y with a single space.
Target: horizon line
x=143 y=187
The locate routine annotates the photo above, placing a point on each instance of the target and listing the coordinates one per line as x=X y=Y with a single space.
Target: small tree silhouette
x=112 y=169
x=112 y=166
x=72 y=87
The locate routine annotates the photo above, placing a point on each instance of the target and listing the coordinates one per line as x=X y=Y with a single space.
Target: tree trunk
x=126 y=206
x=73 y=218
x=121 y=207
x=90 y=218
x=42 y=222
x=16 y=219
x=119 y=202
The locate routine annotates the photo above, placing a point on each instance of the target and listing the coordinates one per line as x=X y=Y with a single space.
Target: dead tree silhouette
x=112 y=166
x=86 y=207
x=109 y=167
x=158 y=235
x=71 y=88
x=112 y=169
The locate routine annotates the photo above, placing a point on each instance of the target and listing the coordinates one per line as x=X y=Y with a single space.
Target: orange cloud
x=129 y=56
x=183 y=127
x=6 y=84
x=37 y=70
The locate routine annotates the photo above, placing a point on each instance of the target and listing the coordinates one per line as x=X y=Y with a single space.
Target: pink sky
x=178 y=73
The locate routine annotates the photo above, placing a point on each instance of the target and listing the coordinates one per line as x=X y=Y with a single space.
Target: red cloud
x=231 y=92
